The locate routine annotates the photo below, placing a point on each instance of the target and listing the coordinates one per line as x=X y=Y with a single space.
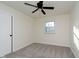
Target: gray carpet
x=42 y=51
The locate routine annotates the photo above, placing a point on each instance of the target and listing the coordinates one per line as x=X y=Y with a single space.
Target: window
x=50 y=27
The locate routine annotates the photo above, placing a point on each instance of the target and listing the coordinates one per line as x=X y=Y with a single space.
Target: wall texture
x=23 y=27
x=61 y=35
x=74 y=29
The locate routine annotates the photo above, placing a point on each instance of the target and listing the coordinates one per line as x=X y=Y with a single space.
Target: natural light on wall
x=76 y=36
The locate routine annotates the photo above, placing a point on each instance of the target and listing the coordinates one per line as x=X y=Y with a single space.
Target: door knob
x=11 y=35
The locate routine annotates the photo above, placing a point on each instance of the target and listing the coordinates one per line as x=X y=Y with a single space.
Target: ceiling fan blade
x=35 y=10
x=30 y=5
x=43 y=11
x=48 y=7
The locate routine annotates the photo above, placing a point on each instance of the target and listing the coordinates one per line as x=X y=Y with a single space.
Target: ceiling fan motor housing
x=40 y=4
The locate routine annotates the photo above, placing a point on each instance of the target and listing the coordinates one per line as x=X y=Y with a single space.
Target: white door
x=5 y=39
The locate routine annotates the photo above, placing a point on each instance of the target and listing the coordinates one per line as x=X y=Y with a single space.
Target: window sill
x=50 y=33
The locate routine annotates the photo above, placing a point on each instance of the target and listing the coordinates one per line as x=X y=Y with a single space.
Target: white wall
x=23 y=27
x=61 y=35
x=4 y=33
x=74 y=35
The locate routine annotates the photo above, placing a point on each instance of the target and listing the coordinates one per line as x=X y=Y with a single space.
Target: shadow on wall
x=76 y=36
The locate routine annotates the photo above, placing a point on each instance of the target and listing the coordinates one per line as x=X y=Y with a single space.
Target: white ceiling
x=61 y=7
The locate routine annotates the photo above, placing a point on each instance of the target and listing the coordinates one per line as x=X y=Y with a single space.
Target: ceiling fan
x=39 y=6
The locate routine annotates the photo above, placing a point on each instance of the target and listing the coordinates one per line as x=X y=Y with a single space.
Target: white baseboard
x=53 y=44
x=23 y=46
x=18 y=49
x=76 y=56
